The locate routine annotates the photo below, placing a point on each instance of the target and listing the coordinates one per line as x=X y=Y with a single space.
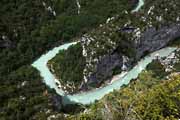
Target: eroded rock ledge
x=153 y=39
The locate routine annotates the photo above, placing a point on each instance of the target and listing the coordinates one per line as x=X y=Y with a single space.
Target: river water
x=96 y=94
x=140 y=4
x=91 y=96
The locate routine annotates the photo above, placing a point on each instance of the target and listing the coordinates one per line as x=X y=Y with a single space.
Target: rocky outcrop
x=105 y=68
x=153 y=39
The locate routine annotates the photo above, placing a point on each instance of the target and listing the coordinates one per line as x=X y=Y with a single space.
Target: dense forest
x=68 y=66
x=28 y=29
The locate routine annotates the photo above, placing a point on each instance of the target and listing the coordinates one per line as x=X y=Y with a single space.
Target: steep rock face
x=152 y=39
x=105 y=68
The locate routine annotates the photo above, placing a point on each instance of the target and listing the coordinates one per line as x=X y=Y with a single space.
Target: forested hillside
x=29 y=29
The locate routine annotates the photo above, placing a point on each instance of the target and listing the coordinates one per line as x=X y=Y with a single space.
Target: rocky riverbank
x=151 y=40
